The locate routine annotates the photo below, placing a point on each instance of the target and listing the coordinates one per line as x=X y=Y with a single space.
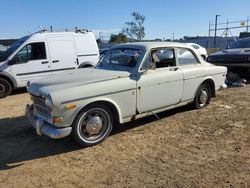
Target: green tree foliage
x=98 y=41
x=135 y=28
x=120 y=38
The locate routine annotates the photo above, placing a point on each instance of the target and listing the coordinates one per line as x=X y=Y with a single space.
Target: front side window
x=33 y=51
x=163 y=57
x=186 y=57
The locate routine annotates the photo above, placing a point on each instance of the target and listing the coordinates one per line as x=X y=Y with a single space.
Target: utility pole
x=215 y=30
x=247 y=23
x=173 y=36
x=209 y=33
x=227 y=34
x=100 y=35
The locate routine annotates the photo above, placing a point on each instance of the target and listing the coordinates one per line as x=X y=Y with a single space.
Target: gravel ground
x=185 y=148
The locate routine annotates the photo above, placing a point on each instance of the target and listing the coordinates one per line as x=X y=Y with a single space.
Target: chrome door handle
x=174 y=69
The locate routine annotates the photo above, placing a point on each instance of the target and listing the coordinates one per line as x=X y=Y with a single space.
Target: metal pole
x=215 y=30
x=247 y=23
x=209 y=30
x=227 y=34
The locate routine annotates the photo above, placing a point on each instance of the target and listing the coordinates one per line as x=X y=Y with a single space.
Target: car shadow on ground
x=19 y=142
x=19 y=91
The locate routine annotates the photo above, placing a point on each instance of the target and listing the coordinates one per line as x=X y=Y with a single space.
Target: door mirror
x=12 y=62
x=148 y=65
x=152 y=66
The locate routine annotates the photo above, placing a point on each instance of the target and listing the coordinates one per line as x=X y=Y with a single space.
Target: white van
x=44 y=53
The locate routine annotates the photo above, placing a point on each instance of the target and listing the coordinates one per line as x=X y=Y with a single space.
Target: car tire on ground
x=5 y=88
x=92 y=125
x=203 y=96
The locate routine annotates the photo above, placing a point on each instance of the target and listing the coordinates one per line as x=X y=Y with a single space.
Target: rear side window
x=186 y=57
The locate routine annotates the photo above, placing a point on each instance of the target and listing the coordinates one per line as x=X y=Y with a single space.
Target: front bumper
x=45 y=128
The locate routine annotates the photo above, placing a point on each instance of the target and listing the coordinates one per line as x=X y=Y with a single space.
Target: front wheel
x=92 y=125
x=202 y=97
x=5 y=88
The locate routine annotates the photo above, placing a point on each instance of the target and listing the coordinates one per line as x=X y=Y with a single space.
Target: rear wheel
x=5 y=88
x=92 y=125
x=203 y=96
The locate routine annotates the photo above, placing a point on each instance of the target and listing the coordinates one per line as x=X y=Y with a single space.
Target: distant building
x=208 y=42
x=3 y=48
x=6 y=43
x=244 y=34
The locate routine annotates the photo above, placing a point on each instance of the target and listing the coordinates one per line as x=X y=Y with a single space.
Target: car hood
x=236 y=51
x=72 y=79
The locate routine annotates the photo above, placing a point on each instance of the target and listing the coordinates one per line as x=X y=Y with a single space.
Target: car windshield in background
x=13 y=48
x=241 y=44
x=121 y=57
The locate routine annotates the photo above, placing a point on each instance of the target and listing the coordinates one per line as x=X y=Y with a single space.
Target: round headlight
x=48 y=102
x=209 y=59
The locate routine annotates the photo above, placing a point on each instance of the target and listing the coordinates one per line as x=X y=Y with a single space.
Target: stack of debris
x=234 y=80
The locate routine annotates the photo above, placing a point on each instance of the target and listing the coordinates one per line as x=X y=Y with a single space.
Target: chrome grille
x=39 y=107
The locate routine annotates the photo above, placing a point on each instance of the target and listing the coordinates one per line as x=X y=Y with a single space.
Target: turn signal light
x=70 y=106
x=57 y=119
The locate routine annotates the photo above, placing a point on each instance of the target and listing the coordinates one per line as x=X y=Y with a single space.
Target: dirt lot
x=185 y=148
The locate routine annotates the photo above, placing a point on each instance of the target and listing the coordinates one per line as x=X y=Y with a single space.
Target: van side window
x=163 y=57
x=186 y=57
x=33 y=51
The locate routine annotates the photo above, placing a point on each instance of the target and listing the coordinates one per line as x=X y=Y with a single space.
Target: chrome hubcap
x=93 y=125
x=203 y=97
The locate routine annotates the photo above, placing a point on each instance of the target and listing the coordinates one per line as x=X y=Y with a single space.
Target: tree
x=135 y=28
x=98 y=41
x=120 y=38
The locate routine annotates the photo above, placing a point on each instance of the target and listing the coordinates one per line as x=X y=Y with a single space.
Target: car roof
x=191 y=43
x=150 y=45
x=247 y=38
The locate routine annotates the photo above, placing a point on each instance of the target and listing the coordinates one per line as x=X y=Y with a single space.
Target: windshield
x=241 y=44
x=120 y=58
x=13 y=47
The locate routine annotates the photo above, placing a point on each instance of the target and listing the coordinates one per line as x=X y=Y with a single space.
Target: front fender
x=9 y=77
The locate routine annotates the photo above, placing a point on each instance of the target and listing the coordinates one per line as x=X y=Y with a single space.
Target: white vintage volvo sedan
x=131 y=81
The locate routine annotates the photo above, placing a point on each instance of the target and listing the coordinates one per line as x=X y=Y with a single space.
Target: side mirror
x=152 y=66
x=11 y=62
x=149 y=66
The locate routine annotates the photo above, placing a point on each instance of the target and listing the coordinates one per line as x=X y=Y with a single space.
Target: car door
x=193 y=72
x=162 y=86
x=31 y=63
x=62 y=53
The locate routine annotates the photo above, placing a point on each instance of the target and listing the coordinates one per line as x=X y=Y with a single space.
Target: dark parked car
x=236 y=59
